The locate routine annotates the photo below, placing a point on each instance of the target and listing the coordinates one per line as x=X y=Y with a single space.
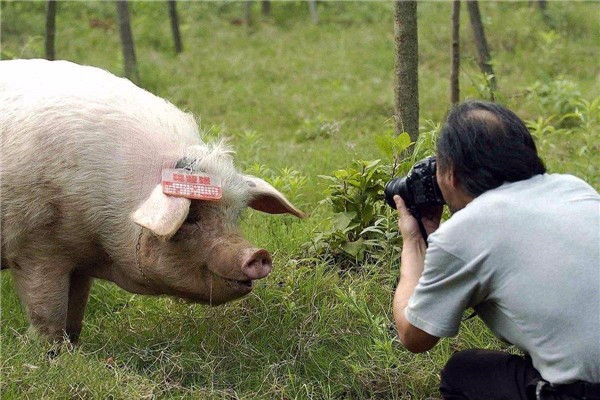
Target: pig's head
x=193 y=249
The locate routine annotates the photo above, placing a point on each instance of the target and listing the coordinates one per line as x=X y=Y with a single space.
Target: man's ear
x=448 y=177
x=454 y=180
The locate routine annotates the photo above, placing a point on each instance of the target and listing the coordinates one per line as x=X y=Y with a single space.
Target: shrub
x=363 y=228
x=571 y=138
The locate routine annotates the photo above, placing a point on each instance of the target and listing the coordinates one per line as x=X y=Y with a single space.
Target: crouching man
x=522 y=248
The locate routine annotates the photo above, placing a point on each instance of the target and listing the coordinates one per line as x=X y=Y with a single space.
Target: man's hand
x=413 y=260
x=408 y=225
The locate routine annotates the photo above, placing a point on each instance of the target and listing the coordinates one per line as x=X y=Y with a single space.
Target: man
x=522 y=248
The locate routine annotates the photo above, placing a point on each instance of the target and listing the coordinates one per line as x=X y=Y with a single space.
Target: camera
x=419 y=188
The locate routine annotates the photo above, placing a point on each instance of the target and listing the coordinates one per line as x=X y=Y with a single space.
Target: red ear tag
x=197 y=185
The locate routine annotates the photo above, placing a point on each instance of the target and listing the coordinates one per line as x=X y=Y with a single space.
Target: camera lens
x=396 y=187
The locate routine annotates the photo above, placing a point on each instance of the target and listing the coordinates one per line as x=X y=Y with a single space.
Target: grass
x=290 y=94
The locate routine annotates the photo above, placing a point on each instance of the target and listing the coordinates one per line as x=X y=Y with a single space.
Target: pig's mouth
x=245 y=283
x=242 y=286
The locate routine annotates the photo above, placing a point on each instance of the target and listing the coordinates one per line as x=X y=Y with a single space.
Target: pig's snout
x=257 y=263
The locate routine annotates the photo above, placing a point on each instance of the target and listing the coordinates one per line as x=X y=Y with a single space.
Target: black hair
x=486 y=145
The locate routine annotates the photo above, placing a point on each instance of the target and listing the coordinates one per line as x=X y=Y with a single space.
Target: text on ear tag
x=196 y=185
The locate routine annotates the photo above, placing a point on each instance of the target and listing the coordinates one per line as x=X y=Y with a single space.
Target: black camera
x=419 y=188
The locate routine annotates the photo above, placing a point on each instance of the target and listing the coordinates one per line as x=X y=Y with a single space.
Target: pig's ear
x=162 y=214
x=265 y=198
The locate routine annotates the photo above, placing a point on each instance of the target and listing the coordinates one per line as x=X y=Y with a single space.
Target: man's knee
x=456 y=373
x=486 y=374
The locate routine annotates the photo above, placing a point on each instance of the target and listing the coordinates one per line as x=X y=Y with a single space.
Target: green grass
x=310 y=98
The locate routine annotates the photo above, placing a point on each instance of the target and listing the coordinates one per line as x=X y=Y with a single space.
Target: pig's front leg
x=79 y=290
x=44 y=288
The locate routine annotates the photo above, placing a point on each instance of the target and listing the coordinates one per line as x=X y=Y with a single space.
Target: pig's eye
x=193 y=217
x=187 y=229
x=190 y=219
x=185 y=233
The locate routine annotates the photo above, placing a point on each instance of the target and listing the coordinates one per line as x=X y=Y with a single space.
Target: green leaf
x=368 y=211
x=353 y=248
x=371 y=229
x=343 y=219
x=354 y=183
x=341 y=173
x=384 y=144
x=402 y=142
x=372 y=164
x=330 y=178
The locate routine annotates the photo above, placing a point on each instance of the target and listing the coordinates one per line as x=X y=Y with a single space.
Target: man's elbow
x=415 y=346
x=414 y=339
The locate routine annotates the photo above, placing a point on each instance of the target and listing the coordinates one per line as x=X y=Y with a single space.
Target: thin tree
x=266 y=7
x=454 y=81
x=175 y=26
x=483 y=54
x=407 y=63
x=312 y=6
x=50 y=28
x=131 y=70
x=543 y=5
x=248 y=12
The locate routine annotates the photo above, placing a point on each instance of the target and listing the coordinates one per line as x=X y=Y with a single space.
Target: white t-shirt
x=526 y=256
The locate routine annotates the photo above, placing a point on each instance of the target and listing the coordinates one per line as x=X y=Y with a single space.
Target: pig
x=83 y=153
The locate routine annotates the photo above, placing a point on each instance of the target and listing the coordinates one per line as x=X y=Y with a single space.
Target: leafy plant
x=320 y=127
x=572 y=140
x=287 y=180
x=359 y=221
x=425 y=144
x=555 y=96
x=363 y=228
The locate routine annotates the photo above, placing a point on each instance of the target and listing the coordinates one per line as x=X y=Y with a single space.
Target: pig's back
x=63 y=101
x=81 y=148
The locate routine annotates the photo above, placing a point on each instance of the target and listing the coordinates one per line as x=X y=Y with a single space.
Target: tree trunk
x=247 y=12
x=543 y=5
x=50 y=28
x=407 y=63
x=131 y=71
x=483 y=54
x=454 y=81
x=312 y=6
x=266 y=7
x=175 y=26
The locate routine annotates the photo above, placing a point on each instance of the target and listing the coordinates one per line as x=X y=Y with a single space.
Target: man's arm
x=411 y=269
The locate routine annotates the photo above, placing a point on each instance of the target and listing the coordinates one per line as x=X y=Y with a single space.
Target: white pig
x=82 y=153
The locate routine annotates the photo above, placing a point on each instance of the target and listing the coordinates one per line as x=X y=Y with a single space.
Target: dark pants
x=491 y=375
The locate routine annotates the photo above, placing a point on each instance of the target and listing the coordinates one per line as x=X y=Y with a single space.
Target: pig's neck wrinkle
x=135 y=287
x=124 y=281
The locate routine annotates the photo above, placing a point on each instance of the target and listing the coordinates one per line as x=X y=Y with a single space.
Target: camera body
x=418 y=189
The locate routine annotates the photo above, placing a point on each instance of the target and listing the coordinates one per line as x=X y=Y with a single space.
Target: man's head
x=483 y=145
